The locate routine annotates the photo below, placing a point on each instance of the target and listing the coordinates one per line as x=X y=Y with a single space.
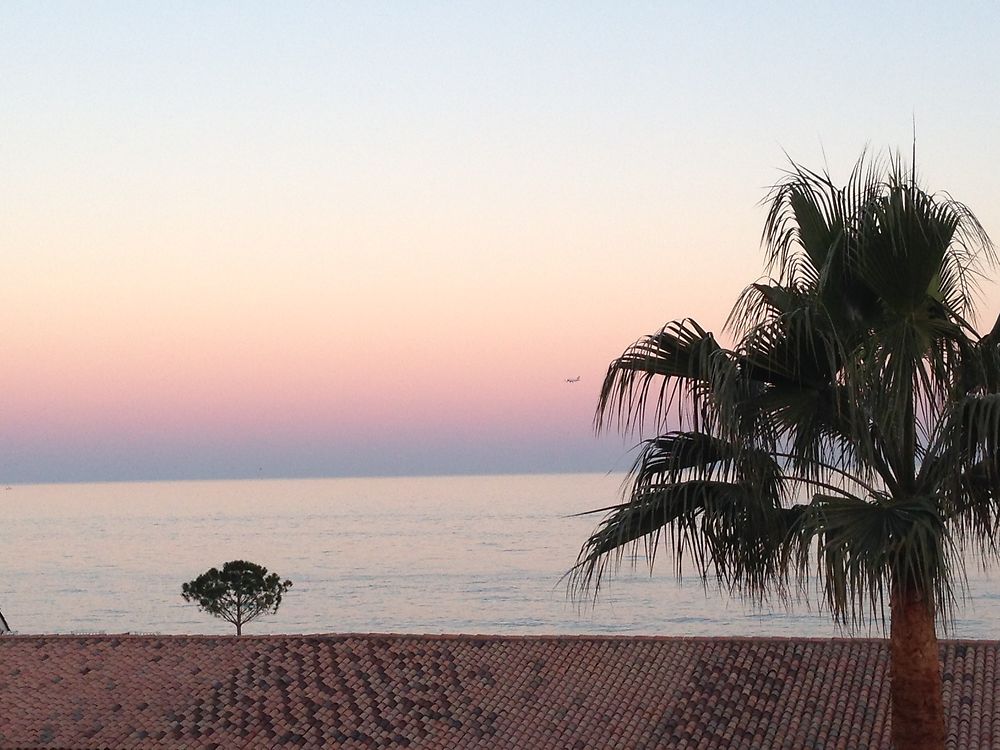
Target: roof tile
x=363 y=691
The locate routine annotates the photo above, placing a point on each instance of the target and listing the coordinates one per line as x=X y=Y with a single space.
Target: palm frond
x=980 y=369
x=725 y=529
x=864 y=548
x=964 y=469
x=678 y=366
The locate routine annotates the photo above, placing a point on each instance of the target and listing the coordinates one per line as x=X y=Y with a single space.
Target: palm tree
x=851 y=433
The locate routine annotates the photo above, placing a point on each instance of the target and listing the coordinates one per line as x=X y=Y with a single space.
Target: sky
x=342 y=239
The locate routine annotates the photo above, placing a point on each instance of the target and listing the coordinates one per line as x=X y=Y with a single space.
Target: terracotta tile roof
x=382 y=691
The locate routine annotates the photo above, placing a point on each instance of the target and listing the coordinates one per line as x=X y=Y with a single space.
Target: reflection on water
x=429 y=554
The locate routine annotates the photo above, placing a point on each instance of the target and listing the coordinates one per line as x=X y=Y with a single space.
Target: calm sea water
x=415 y=555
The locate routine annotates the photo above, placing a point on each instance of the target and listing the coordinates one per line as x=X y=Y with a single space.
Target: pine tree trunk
x=918 y=721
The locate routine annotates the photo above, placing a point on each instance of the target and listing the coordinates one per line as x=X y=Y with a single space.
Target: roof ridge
x=495 y=637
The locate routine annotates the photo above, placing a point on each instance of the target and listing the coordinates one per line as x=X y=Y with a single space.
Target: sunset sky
x=321 y=239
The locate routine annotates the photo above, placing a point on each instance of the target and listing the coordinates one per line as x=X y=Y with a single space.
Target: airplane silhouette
x=573 y=380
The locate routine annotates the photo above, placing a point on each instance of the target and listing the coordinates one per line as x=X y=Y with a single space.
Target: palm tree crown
x=852 y=430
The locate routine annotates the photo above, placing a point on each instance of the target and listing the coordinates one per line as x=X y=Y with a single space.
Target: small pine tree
x=239 y=593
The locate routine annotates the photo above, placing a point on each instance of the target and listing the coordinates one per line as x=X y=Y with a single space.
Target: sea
x=455 y=554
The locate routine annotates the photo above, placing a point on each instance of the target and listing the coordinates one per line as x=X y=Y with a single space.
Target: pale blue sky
x=420 y=217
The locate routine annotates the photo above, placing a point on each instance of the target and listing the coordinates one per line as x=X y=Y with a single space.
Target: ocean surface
x=469 y=554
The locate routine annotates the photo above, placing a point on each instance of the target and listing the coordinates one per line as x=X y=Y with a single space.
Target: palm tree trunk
x=918 y=721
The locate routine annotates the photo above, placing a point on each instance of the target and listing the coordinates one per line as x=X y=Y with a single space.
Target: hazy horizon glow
x=305 y=241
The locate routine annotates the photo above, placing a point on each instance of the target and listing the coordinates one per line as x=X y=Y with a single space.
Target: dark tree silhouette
x=239 y=593
x=851 y=432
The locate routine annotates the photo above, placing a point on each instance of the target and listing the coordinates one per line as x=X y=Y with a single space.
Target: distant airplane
x=573 y=380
